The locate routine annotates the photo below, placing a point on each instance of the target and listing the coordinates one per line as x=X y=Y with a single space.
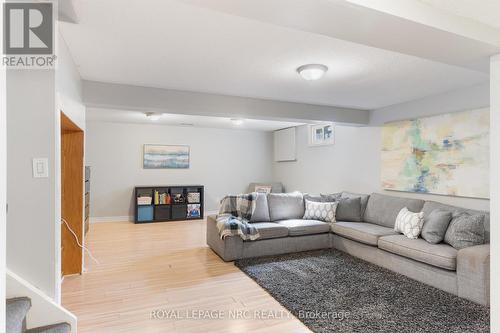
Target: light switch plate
x=40 y=168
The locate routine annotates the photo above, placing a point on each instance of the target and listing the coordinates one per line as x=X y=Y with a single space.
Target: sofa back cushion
x=363 y=198
x=383 y=209
x=261 y=212
x=429 y=206
x=285 y=206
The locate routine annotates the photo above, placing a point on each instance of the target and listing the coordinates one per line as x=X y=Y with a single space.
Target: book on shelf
x=162 y=198
x=144 y=200
x=193 y=197
x=193 y=210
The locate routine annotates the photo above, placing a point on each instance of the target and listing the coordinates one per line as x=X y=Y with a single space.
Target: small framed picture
x=321 y=134
x=263 y=189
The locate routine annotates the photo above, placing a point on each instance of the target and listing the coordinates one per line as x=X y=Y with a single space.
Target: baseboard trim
x=104 y=219
x=211 y=212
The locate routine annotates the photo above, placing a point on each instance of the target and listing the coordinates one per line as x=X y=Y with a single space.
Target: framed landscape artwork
x=446 y=154
x=165 y=157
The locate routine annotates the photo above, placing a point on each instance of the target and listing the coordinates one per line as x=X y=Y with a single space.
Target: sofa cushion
x=285 y=206
x=429 y=206
x=439 y=255
x=435 y=225
x=364 y=200
x=270 y=230
x=349 y=209
x=366 y=233
x=299 y=227
x=383 y=209
x=261 y=212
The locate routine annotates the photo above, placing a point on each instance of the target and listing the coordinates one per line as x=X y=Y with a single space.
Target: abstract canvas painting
x=446 y=154
x=166 y=157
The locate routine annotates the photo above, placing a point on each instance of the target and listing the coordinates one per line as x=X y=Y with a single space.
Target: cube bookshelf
x=168 y=203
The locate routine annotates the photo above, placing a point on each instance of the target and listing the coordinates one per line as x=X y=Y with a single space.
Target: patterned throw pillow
x=321 y=211
x=465 y=230
x=409 y=223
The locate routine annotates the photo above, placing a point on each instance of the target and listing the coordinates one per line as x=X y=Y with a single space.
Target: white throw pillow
x=321 y=211
x=409 y=224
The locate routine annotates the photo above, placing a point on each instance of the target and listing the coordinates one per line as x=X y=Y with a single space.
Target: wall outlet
x=40 y=168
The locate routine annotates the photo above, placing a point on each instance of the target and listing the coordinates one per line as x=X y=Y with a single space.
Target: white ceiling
x=483 y=11
x=126 y=116
x=171 y=44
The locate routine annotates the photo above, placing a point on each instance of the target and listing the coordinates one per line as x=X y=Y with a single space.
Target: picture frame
x=263 y=189
x=321 y=134
x=158 y=156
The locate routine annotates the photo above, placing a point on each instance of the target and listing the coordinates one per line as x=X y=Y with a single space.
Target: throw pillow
x=349 y=209
x=435 y=225
x=261 y=212
x=409 y=223
x=364 y=200
x=321 y=211
x=465 y=230
x=315 y=198
x=331 y=197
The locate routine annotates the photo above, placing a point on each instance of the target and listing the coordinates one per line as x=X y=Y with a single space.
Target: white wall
x=223 y=160
x=353 y=163
x=475 y=97
x=495 y=188
x=350 y=164
x=32 y=220
x=3 y=180
x=69 y=86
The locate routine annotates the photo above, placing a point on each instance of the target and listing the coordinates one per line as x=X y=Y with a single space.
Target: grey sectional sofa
x=463 y=272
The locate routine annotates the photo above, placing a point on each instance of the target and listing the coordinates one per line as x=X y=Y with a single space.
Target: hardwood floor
x=165 y=270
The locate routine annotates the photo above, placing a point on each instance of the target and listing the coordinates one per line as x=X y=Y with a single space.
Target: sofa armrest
x=229 y=248
x=473 y=273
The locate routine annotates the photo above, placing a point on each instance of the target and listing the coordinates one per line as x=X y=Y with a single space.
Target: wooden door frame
x=72 y=195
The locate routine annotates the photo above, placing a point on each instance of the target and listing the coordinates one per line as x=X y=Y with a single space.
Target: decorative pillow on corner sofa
x=364 y=200
x=465 y=230
x=321 y=211
x=316 y=198
x=331 y=197
x=349 y=210
x=409 y=223
x=435 y=225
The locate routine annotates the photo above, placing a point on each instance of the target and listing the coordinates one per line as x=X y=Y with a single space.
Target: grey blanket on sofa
x=234 y=215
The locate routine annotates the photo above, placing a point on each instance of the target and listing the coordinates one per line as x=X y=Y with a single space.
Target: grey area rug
x=330 y=291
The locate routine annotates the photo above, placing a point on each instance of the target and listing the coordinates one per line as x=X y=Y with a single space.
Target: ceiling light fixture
x=311 y=72
x=153 y=116
x=237 y=121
